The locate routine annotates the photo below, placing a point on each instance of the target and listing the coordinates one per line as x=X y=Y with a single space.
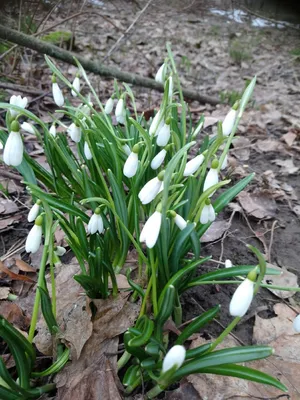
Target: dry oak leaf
x=286 y=278
x=215 y=231
x=260 y=205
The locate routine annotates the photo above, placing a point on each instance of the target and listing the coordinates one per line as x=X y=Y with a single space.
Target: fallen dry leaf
x=4 y=292
x=6 y=222
x=264 y=146
x=260 y=205
x=241 y=148
x=13 y=313
x=209 y=121
x=287 y=166
x=8 y=207
x=14 y=276
x=289 y=138
x=286 y=278
x=215 y=231
x=23 y=266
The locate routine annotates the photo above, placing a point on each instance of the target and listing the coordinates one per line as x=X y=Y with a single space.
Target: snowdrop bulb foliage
x=242 y=298
x=193 y=165
x=120 y=112
x=156 y=124
x=180 y=222
x=163 y=135
x=131 y=165
x=161 y=74
x=34 y=211
x=150 y=190
x=27 y=127
x=212 y=177
x=57 y=93
x=13 y=150
x=228 y=264
x=87 y=151
x=34 y=237
x=228 y=122
x=52 y=130
x=174 y=358
x=109 y=106
x=75 y=132
x=296 y=324
x=208 y=214
x=17 y=101
x=95 y=223
x=151 y=230
x=158 y=159
x=76 y=84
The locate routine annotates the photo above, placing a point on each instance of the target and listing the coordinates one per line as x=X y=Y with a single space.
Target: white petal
x=109 y=106
x=34 y=239
x=28 y=127
x=76 y=84
x=156 y=123
x=150 y=190
x=204 y=217
x=33 y=213
x=158 y=159
x=120 y=112
x=13 y=150
x=1 y=146
x=175 y=356
x=211 y=213
x=100 y=226
x=212 y=178
x=242 y=298
x=296 y=323
x=151 y=230
x=17 y=101
x=228 y=264
x=193 y=165
x=225 y=162
x=60 y=251
x=57 y=95
x=93 y=224
x=52 y=130
x=160 y=75
x=131 y=165
x=126 y=149
x=180 y=222
x=228 y=122
x=74 y=132
x=163 y=135
x=170 y=87
x=87 y=151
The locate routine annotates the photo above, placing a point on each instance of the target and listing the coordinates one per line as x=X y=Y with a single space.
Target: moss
x=63 y=38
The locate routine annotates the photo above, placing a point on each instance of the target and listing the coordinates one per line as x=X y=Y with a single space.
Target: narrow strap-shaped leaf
x=46 y=307
x=198 y=351
x=178 y=247
x=7 y=394
x=56 y=366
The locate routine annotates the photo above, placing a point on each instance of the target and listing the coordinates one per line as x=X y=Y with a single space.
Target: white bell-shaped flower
x=212 y=177
x=76 y=85
x=228 y=122
x=34 y=211
x=109 y=106
x=228 y=264
x=57 y=93
x=95 y=223
x=174 y=358
x=52 y=130
x=59 y=251
x=161 y=74
x=180 y=222
x=150 y=190
x=151 y=230
x=131 y=164
x=75 y=132
x=296 y=324
x=242 y=298
x=208 y=213
x=163 y=135
x=17 y=101
x=156 y=124
x=193 y=165
x=224 y=163
x=1 y=146
x=13 y=150
x=126 y=149
x=85 y=109
x=34 y=237
x=87 y=151
x=158 y=159
x=120 y=112
x=27 y=127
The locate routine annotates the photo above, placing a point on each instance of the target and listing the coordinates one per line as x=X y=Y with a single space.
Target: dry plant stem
x=92 y=66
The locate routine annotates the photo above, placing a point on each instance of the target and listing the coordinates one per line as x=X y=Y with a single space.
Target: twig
x=20 y=88
x=271 y=241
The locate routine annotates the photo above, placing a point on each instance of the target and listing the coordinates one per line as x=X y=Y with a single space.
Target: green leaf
x=56 y=366
x=197 y=351
x=178 y=247
x=46 y=307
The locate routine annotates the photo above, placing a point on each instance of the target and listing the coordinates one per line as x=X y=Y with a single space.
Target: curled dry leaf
x=13 y=313
x=287 y=279
x=215 y=231
x=14 y=276
x=8 y=207
x=287 y=166
x=260 y=205
x=4 y=292
x=264 y=146
x=23 y=266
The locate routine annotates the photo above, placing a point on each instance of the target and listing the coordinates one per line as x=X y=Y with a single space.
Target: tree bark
x=33 y=43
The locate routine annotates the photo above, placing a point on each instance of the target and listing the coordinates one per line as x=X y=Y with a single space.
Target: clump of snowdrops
x=120 y=182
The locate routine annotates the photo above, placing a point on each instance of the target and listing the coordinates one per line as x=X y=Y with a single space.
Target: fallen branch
x=33 y=43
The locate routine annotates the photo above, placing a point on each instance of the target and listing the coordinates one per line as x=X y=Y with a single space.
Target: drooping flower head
x=179 y=220
x=17 y=101
x=193 y=165
x=151 y=189
x=13 y=150
x=109 y=106
x=243 y=296
x=151 y=230
x=132 y=162
x=34 y=211
x=87 y=151
x=52 y=130
x=76 y=85
x=161 y=73
x=229 y=120
x=27 y=127
x=34 y=237
x=212 y=177
x=75 y=132
x=174 y=358
x=208 y=213
x=57 y=93
x=120 y=112
x=156 y=124
x=96 y=223
x=163 y=135
x=296 y=324
x=158 y=159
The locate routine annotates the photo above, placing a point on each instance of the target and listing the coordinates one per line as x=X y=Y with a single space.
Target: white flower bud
x=34 y=212
x=131 y=165
x=212 y=178
x=174 y=357
x=180 y=222
x=161 y=74
x=120 y=112
x=150 y=190
x=52 y=130
x=296 y=323
x=228 y=264
x=158 y=159
x=87 y=151
x=228 y=122
x=27 y=127
x=163 y=135
x=242 y=298
x=76 y=84
x=193 y=165
x=13 y=150
x=156 y=124
x=95 y=223
x=126 y=149
x=151 y=229
x=109 y=106
x=208 y=214
x=57 y=95
x=60 y=251
x=75 y=132
x=34 y=238
x=17 y=101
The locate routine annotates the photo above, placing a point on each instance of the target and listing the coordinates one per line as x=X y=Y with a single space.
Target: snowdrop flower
x=34 y=237
x=151 y=189
x=228 y=122
x=17 y=101
x=13 y=150
x=158 y=159
x=224 y=163
x=243 y=296
x=52 y=130
x=132 y=162
x=126 y=149
x=76 y=84
x=87 y=151
x=193 y=165
x=28 y=127
x=57 y=93
x=1 y=146
x=180 y=222
x=85 y=109
x=208 y=213
x=296 y=324
x=174 y=358
x=34 y=211
x=151 y=230
x=170 y=87
x=212 y=177
x=59 y=251
x=75 y=132
x=120 y=112
x=163 y=135
x=161 y=74
x=109 y=106
x=228 y=264
x=95 y=223
x=156 y=124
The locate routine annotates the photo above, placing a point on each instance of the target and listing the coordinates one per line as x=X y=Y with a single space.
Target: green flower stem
x=123 y=360
x=144 y=303
x=154 y=392
x=154 y=282
x=226 y=332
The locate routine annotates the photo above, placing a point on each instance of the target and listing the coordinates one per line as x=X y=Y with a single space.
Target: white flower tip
x=242 y=298
x=228 y=264
x=296 y=324
x=174 y=358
